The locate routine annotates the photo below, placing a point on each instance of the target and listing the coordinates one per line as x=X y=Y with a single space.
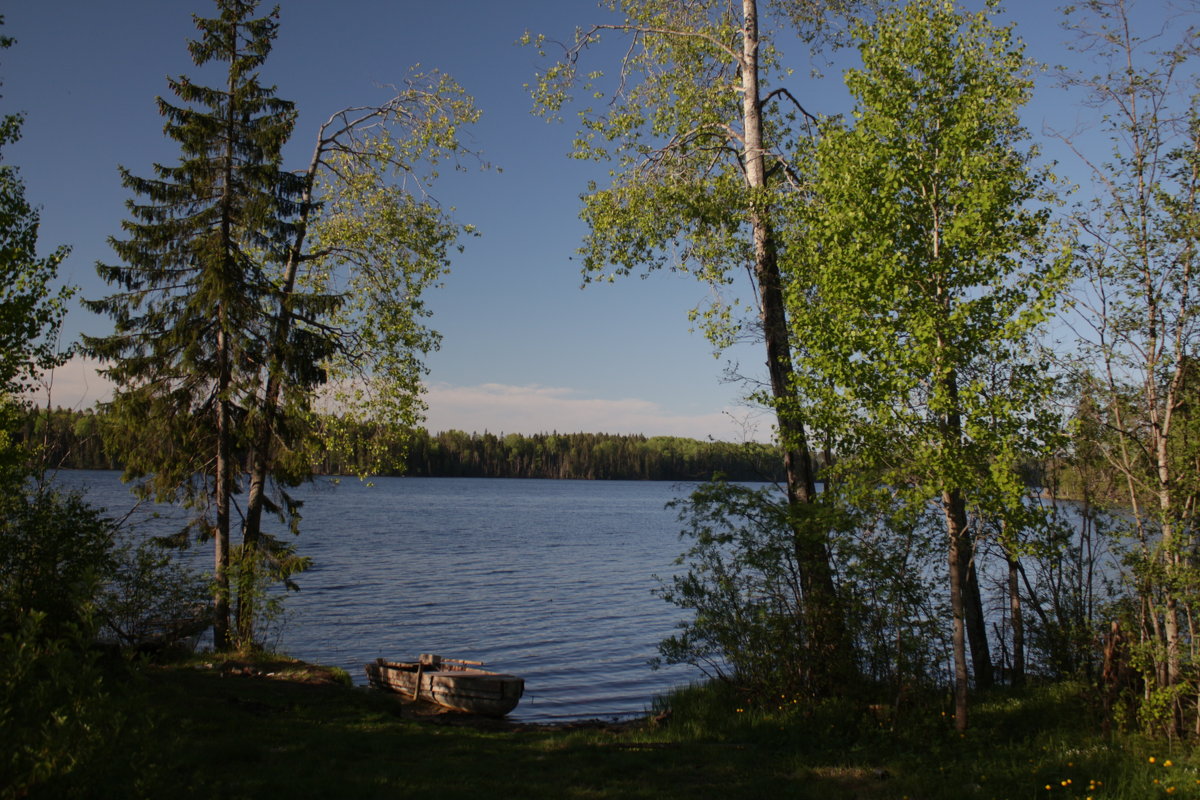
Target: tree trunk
x=959 y=558
x=224 y=462
x=1017 y=677
x=823 y=613
x=965 y=603
x=981 y=654
x=961 y=547
x=260 y=454
x=1170 y=561
x=223 y=479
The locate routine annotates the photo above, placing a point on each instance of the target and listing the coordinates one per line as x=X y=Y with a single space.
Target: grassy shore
x=280 y=729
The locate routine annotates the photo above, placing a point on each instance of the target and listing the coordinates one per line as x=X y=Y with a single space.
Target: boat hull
x=475 y=691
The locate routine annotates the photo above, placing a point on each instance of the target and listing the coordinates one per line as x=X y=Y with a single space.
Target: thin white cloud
x=501 y=408
x=495 y=407
x=77 y=384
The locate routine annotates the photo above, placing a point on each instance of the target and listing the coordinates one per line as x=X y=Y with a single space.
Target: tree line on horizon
x=73 y=439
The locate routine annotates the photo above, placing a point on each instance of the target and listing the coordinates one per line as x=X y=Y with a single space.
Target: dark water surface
x=549 y=580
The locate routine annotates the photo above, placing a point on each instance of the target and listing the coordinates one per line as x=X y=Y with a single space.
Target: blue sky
x=524 y=349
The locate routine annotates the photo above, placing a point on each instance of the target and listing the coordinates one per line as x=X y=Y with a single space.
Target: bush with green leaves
x=150 y=598
x=743 y=586
x=63 y=577
x=55 y=553
x=891 y=569
x=55 y=712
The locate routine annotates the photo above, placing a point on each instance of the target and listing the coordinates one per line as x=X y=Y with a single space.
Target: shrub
x=151 y=599
x=55 y=552
x=61 y=726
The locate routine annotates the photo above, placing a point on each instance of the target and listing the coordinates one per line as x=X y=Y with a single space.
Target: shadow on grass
x=235 y=736
x=237 y=733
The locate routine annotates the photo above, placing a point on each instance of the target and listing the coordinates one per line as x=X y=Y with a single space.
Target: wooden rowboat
x=449 y=682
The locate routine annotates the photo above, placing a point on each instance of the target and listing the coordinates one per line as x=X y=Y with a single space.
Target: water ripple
x=550 y=580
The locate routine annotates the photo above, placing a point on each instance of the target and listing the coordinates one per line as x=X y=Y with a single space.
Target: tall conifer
x=192 y=310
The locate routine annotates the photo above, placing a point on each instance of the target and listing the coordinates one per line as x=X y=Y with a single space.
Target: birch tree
x=921 y=273
x=1137 y=253
x=350 y=327
x=697 y=125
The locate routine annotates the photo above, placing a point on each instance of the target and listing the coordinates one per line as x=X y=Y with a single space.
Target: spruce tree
x=194 y=294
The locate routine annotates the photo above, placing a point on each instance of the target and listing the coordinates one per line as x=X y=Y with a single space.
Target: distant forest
x=75 y=440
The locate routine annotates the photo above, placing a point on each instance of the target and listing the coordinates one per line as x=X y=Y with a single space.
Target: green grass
x=1041 y=742
x=225 y=733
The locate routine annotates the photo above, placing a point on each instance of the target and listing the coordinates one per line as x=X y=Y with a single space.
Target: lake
x=549 y=580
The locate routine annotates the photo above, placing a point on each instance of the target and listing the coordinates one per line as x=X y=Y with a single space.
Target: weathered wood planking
x=453 y=683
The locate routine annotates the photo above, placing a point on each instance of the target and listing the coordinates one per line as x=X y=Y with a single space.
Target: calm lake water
x=550 y=580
